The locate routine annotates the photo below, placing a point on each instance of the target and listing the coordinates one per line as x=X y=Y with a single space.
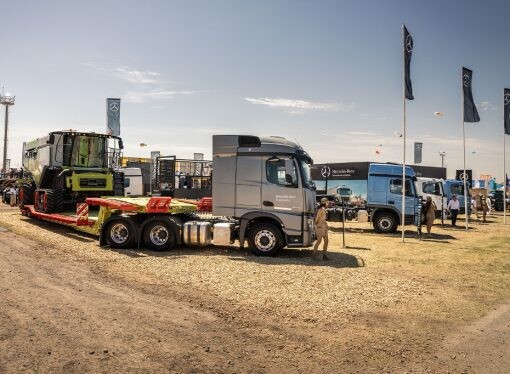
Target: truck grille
x=92 y=182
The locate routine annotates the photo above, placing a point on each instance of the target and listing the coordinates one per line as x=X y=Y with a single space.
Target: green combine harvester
x=66 y=167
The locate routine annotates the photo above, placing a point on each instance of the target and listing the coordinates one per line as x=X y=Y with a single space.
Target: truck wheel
x=119 y=234
x=159 y=236
x=385 y=223
x=265 y=239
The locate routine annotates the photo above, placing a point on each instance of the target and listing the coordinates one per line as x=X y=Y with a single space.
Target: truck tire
x=159 y=236
x=119 y=233
x=385 y=223
x=265 y=239
x=26 y=194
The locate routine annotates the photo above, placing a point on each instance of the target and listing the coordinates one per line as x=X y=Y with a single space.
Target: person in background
x=485 y=209
x=430 y=213
x=489 y=205
x=321 y=230
x=473 y=206
x=453 y=208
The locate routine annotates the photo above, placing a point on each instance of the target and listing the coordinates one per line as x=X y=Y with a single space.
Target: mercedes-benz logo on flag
x=464 y=177
x=507 y=99
x=418 y=146
x=465 y=79
x=326 y=171
x=114 y=106
x=409 y=43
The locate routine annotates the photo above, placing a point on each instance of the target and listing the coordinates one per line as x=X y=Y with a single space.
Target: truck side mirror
x=121 y=144
x=51 y=139
x=289 y=171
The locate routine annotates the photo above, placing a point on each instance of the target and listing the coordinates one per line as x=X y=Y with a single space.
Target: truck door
x=394 y=196
x=281 y=192
x=435 y=191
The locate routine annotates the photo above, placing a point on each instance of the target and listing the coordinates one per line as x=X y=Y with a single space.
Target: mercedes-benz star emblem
x=465 y=79
x=464 y=176
x=325 y=171
x=409 y=43
x=507 y=99
x=114 y=106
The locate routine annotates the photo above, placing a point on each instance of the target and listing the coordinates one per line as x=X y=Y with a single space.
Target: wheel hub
x=265 y=240
x=159 y=235
x=119 y=233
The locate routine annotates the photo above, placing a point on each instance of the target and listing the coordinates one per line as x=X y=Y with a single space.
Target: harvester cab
x=66 y=167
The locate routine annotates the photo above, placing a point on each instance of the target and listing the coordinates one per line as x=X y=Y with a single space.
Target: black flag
x=418 y=149
x=408 y=51
x=506 y=102
x=470 y=112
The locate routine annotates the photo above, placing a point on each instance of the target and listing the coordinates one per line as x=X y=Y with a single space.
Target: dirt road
x=81 y=308
x=66 y=317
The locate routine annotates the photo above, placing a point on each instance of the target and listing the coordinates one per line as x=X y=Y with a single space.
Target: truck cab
x=265 y=184
x=435 y=189
x=456 y=187
x=384 y=196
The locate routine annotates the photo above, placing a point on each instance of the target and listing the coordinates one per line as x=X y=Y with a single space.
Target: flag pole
x=464 y=147
x=504 y=174
x=404 y=136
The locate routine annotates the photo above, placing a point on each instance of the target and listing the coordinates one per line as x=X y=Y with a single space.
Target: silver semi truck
x=262 y=194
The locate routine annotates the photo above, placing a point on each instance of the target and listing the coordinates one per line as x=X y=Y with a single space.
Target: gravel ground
x=291 y=286
x=379 y=303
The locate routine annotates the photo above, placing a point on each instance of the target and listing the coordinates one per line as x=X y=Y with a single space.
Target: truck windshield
x=304 y=166
x=86 y=151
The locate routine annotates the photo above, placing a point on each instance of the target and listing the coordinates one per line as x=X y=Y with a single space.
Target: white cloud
x=138 y=97
x=137 y=76
x=486 y=105
x=298 y=106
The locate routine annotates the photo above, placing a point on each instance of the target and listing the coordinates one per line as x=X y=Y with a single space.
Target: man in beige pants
x=321 y=230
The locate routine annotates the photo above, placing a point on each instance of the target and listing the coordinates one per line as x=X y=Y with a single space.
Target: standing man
x=321 y=230
x=453 y=208
x=484 y=206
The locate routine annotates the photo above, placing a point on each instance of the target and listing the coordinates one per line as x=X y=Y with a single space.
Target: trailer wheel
x=265 y=239
x=119 y=234
x=385 y=223
x=159 y=236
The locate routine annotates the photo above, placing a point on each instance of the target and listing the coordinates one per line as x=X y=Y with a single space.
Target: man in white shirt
x=453 y=208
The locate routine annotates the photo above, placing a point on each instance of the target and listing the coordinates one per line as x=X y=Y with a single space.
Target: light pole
x=443 y=155
x=6 y=100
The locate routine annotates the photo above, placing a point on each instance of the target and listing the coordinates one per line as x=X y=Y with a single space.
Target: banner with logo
x=506 y=102
x=470 y=112
x=459 y=175
x=418 y=152
x=408 y=51
x=113 y=116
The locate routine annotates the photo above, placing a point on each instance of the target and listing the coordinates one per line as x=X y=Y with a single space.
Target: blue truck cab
x=384 y=196
x=456 y=187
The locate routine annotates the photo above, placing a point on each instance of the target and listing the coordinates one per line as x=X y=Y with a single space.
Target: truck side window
x=431 y=188
x=276 y=173
x=396 y=187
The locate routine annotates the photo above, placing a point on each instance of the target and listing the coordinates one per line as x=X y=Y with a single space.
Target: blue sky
x=325 y=73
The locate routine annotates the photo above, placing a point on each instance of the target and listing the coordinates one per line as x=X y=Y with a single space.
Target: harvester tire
x=26 y=194
x=54 y=201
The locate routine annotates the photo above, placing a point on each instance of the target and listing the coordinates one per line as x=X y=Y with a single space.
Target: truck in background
x=384 y=197
x=434 y=188
x=262 y=194
x=456 y=187
x=133 y=182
